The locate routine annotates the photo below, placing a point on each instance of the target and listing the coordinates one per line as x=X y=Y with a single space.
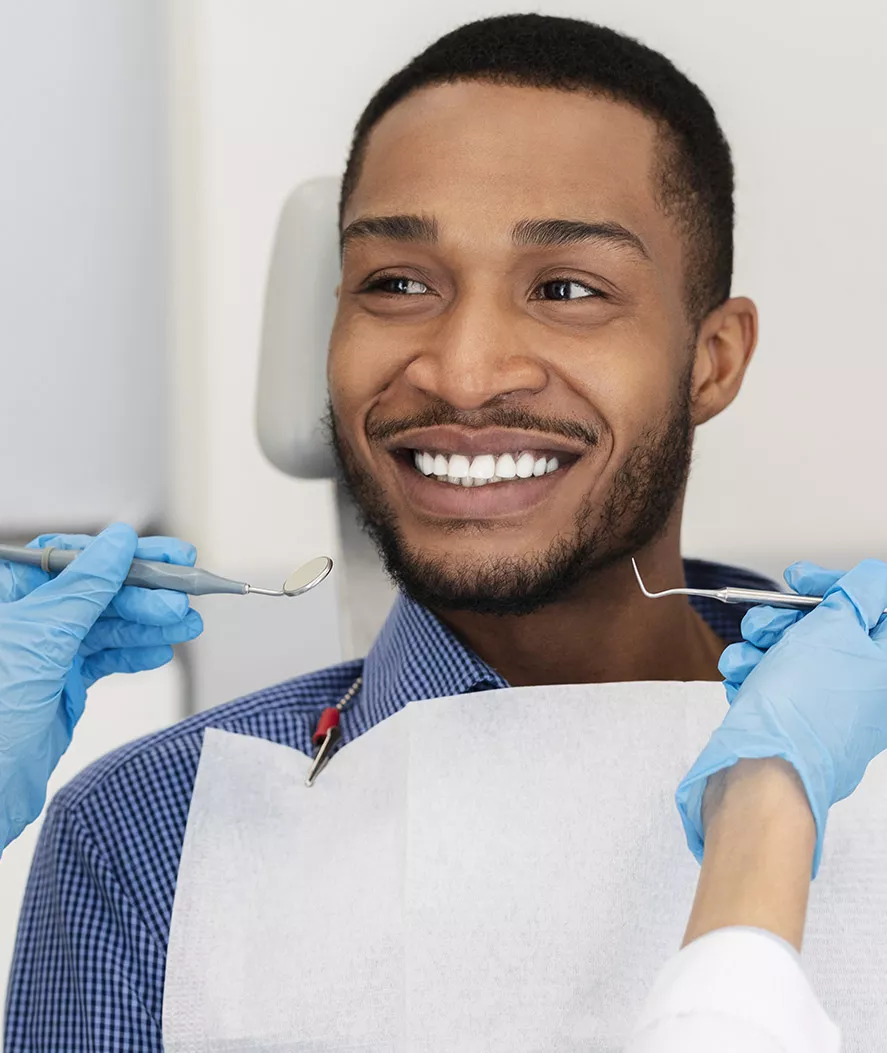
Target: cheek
x=349 y=373
x=361 y=364
x=630 y=379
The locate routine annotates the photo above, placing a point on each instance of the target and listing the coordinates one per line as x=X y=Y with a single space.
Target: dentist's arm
x=759 y=842
x=737 y=985
x=808 y=712
x=59 y=635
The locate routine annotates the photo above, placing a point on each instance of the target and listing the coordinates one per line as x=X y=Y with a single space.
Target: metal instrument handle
x=144 y=573
x=770 y=599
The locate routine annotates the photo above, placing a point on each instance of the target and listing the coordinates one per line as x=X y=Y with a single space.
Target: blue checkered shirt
x=91 y=950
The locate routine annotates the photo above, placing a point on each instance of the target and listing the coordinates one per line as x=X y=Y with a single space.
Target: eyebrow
x=549 y=233
x=538 y=233
x=390 y=228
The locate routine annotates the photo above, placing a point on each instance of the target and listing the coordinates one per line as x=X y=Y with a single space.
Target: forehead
x=477 y=153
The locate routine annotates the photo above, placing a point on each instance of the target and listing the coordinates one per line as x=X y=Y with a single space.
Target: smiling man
x=534 y=316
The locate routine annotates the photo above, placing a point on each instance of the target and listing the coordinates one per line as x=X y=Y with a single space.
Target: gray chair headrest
x=300 y=305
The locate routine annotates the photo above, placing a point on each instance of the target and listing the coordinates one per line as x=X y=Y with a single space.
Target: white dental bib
x=500 y=872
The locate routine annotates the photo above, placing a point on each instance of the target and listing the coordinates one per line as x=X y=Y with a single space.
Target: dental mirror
x=307 y=576
x=302 y=580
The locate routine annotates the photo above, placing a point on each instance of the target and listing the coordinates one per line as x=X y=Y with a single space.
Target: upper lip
x=474 y=441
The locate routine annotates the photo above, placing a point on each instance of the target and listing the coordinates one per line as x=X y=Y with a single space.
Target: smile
x=448 y=472
x=459 y=469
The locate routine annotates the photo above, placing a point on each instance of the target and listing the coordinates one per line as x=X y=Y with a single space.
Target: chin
x=480 y=538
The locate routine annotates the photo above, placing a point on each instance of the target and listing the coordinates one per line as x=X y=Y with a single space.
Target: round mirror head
x=307 y=576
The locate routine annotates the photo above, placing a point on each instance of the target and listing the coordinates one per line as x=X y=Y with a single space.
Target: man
x=534 y=315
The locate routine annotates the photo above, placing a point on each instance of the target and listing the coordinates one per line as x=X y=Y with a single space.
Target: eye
x=397 y=285
x=565 y=289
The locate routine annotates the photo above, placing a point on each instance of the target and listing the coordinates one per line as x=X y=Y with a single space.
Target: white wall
x=83 y=213
x=793 y=469
x=82 y=269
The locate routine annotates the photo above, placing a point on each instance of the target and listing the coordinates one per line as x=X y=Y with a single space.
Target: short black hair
x=694 y=171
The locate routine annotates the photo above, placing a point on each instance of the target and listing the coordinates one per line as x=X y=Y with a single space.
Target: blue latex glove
x=817 y=697
x=58 y=635
x=763 y=626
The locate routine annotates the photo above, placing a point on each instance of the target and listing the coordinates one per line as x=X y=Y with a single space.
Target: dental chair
x=291 y=397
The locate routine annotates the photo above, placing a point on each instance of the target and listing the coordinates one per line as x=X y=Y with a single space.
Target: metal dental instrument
x=152 y=574
x=733 y=595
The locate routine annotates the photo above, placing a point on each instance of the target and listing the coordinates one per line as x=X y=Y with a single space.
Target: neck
x=607 y=631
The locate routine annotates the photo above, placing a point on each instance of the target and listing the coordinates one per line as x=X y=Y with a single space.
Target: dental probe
x=729 y=594
x=152 y=574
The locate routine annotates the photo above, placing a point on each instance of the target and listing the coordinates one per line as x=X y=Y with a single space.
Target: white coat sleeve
x=734 y=990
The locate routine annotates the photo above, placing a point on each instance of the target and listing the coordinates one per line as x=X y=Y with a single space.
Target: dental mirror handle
x=145 y=573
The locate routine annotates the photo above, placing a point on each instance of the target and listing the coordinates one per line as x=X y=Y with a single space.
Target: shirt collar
x=415 y=657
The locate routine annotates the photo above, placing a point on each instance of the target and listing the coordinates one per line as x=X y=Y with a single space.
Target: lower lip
x=493 y=501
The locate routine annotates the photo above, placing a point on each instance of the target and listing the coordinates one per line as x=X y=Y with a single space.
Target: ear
x=724 y=346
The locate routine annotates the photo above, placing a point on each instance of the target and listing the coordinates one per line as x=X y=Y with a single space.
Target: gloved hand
x=817 y=697
x=59 y=635
x=763 y=626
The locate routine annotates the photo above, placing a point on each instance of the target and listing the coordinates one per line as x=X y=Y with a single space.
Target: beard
x=637 y=509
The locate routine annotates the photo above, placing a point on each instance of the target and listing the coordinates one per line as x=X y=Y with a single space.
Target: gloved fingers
x=85 y=588
x=66 y=541
x=115 y=633
x=156 y=606
x=74 y=694
x=763 y=626
x=17 y=580
x=167 y=550
x=162 y=549
x=863 y=590
x=732 y=690
x=124 y=660
x=738 y=660
x=808 y=579
x=149 y=606
x=144 y=606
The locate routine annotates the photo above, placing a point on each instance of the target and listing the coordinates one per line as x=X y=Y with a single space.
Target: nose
x=477 y=352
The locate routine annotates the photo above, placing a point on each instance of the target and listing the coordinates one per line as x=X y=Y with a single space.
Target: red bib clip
x=329 y=719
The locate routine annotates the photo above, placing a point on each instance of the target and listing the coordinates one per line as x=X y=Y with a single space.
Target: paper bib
x=500 y=872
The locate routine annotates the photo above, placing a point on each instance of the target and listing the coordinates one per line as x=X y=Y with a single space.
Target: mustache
x=442 y=414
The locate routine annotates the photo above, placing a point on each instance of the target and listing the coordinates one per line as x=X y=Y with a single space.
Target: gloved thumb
x=864 y=589
x=763 y=626
x=83 y=590
x=808 y=579
x=738 y=660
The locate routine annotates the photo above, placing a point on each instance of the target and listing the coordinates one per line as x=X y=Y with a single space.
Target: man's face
x=524 y=318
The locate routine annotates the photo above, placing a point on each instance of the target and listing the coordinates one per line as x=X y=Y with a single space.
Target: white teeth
x=524 y=466
x=461 y=470
x=459 y=466
x=483 y=467
x=505 y=466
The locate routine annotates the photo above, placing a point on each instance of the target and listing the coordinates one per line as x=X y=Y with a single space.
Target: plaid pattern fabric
x=90 y=956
